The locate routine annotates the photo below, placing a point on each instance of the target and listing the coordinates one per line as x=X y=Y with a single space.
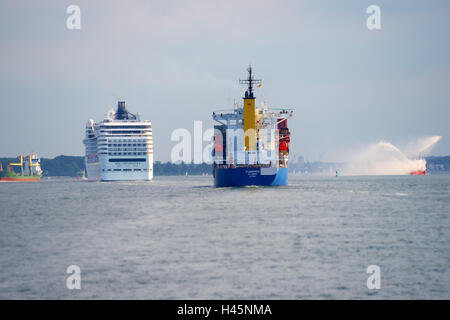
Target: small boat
x=419 y=172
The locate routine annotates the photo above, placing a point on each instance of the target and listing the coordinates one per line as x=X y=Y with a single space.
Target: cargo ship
x=251 y=144
x=119 y=148
x=30 y=170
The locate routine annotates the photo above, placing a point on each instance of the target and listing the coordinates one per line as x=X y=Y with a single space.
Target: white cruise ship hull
x=126 y=169
x=93 y=171
x=130 y=176
x=121 y=172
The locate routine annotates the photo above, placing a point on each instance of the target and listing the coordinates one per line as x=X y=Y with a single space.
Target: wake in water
x=384 y=158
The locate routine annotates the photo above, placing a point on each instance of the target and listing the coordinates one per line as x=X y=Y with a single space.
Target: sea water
x=181 y=238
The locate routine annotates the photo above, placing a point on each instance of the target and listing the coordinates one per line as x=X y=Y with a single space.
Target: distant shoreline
x=73 y=166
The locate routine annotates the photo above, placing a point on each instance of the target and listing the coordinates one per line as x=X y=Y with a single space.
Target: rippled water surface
x=180 y=238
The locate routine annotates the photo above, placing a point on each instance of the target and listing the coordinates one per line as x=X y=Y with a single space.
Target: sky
x=175 y=62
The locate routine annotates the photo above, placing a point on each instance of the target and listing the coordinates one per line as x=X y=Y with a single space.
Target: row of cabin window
x=126 y=153
x=126 y=145
x=126 y=140
x=125 y=170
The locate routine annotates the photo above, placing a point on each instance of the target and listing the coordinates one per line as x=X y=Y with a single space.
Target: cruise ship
x=119 y=147
x=251 y=144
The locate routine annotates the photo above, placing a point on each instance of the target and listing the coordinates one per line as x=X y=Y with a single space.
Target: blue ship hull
x=249 y=176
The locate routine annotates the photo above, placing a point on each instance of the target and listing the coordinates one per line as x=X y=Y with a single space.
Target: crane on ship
x=16 y=164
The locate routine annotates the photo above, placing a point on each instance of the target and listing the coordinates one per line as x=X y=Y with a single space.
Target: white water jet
x=421 y=147
x=383 y=158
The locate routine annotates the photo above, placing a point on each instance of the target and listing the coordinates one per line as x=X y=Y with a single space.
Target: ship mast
x=250 y=81
x=250 y=112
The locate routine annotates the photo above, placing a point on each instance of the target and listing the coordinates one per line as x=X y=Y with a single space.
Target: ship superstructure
x=119 y=147
x=251 y=144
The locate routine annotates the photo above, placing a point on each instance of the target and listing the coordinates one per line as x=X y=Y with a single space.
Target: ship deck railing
x=226 y=166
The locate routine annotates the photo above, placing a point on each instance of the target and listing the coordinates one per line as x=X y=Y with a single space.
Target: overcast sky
x=177 y=61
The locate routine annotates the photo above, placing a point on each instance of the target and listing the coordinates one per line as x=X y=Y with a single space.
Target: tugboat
x=30 y=170
x=421 y=171
x=251 y=144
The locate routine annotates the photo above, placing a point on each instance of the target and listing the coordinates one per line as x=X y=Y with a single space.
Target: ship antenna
x=250 y=81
